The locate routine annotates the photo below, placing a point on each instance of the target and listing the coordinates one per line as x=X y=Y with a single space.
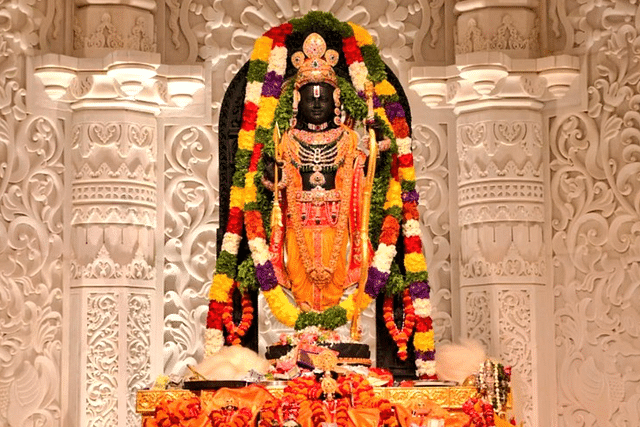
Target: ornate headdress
x=316 y=64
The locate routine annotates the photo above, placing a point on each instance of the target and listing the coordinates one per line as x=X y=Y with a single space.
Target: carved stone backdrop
x=525 y=119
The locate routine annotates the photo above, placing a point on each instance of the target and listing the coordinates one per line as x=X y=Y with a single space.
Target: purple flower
x=425 y=355
x=375 y=282
x=272 y=85
x=376 y=101
x=419 y=290
x=266 y=276
x=410 y=196
x=393 y=110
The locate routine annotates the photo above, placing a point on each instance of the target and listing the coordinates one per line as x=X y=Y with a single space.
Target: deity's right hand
x=270 y=165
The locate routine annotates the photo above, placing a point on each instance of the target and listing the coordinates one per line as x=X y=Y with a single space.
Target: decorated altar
x=320 y=220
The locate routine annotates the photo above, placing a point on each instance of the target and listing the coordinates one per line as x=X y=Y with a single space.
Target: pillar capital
x=489 y=80
x=129 y=80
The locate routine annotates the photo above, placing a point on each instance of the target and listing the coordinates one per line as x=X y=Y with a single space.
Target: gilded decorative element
x=451 y=398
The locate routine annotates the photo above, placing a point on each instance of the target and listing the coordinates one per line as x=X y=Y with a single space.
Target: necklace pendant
x=317 y=178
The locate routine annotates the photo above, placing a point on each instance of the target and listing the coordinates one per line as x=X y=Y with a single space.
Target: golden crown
x=316 y=64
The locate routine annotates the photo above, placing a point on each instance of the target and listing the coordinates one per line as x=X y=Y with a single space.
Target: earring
x=337 y=119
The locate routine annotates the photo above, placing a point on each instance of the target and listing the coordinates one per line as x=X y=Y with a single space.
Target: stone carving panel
x=114 y=198
x=139 y=360
x=191 y=220
x=508 y=36
x=477 y=316
x=223 y=33
x=514 y=311
x=101 y=363
x=501 y=200
x=432 y=180
x=97 y=30
x=596 y=210
x=31 y=246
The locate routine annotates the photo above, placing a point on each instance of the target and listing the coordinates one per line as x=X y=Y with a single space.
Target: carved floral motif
x=514 y=310
x=596 y=209
x=139 y=358
x=430 y=161
x=191 y=221
x=477 y=318
x=103 y=321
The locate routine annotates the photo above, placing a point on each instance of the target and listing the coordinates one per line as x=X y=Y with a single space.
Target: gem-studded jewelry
x=316 y=128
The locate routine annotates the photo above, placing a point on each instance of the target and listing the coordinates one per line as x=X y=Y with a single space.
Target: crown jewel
x=316 y=64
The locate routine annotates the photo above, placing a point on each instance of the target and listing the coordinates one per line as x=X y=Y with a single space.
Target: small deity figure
x=319 y=254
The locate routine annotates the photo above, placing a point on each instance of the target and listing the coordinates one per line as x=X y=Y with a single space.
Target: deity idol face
x=316 y=104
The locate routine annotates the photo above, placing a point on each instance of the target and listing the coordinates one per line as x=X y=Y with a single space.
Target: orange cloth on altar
x=252 y=397
x=358 y=417
x=321 y=230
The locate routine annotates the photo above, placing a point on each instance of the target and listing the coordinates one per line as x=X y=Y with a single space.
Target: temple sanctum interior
x=319 y=213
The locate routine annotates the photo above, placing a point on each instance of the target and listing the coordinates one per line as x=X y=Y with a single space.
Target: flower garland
x=394 y=197
x=235 y=333
x=401 y=337
x=481 y=413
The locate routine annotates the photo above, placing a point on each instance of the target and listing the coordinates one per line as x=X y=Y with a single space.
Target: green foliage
x=332 y=318
x=247 y=280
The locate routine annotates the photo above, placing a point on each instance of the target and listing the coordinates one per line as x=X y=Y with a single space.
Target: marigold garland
x=394 y=198
x=401 y=337
x=235 y=333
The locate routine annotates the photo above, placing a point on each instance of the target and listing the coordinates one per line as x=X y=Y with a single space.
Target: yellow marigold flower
x=280 y=306
x=383 y=115
x=236 y=198
x=262 y=49
x=424 y=340
x=394 y=195
x=266 y=111
x=250 y=190
x=220 y=287
x=362 y=36
x=407 y=174
x=415 y=262
x=246 y=139
x=349 y=304
x=384 y=88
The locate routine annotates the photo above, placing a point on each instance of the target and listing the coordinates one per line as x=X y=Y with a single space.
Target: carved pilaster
x=117 y=106
x=502 y=182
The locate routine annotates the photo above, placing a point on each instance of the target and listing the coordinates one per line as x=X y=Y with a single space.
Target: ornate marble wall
x=525 y=120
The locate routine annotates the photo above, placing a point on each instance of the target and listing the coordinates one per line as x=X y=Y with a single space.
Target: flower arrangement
x=394 y=198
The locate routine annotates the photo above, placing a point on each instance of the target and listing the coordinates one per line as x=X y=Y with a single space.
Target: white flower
x=231 y=243
x=422 y=307
x=404 y=145
x=425 y=367
x=254 y=91
x=383 y=257
x=278 y=60
x=411 y=228
x=358 y=72
x=259 y=251
x=213 y=341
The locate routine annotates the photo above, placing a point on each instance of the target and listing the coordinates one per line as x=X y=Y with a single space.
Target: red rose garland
x=401 y=337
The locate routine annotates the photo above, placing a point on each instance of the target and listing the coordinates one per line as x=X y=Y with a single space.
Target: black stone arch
x=229 y=125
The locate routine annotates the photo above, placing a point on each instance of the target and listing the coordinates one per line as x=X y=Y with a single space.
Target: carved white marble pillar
x=114 y=169
x=498 y=91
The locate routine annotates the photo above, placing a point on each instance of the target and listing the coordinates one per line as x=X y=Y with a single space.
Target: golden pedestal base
x=450 y=398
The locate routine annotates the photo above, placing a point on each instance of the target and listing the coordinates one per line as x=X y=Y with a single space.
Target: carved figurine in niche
x=306 y=222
